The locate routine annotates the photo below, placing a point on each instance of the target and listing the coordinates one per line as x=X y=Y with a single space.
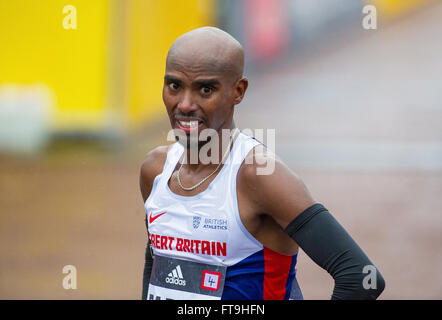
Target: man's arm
x=148 y=262
x=151 y=167
x=284 y=197
x=329 y=245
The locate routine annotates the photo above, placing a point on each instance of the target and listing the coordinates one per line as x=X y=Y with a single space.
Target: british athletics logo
x=209 y=223
x=196 y=222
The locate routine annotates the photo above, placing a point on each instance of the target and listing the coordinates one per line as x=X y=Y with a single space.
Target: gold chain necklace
x=202 y=181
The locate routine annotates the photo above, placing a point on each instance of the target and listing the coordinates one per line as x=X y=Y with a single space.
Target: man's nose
x=187 y=103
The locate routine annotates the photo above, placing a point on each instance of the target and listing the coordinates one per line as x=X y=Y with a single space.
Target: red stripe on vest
x=276 y=272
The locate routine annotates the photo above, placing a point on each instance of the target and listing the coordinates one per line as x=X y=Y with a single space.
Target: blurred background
x=357 y=113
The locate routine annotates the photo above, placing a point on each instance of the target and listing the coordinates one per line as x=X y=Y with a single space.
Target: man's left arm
x=282 y=195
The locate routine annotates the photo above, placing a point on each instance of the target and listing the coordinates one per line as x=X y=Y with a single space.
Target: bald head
x=208 y=49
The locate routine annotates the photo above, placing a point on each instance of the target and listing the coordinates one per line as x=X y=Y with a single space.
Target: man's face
x=198 y=96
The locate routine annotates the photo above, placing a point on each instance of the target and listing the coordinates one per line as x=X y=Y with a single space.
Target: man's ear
x=240 y=89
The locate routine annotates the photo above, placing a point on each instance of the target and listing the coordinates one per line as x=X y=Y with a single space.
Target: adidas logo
x=176 y=277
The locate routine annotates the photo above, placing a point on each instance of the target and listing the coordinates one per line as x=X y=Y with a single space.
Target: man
x=218 y=229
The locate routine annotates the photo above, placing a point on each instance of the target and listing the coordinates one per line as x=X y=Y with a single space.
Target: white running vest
x=205 y=228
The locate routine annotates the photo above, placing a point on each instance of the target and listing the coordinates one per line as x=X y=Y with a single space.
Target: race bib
x=177 y=279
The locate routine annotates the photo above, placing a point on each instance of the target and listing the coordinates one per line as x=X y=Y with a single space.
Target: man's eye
x=173 y=86
x=206 y=90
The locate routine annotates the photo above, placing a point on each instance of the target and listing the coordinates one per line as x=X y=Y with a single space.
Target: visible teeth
x=189 y=123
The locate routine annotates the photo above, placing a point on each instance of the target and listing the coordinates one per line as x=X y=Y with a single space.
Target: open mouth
x=189 y=125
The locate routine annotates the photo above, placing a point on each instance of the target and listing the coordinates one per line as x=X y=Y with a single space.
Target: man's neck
x=210 y=154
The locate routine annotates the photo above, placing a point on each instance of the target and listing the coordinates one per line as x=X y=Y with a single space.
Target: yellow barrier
x=72 y=63
x=153 y=26
x=107 y=73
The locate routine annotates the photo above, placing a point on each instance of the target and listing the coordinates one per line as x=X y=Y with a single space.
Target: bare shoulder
x=272 y=186
x=155 y=159
x=151 y=167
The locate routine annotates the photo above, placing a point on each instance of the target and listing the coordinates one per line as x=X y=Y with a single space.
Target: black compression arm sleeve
x=147 y=270
x=327 y=243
